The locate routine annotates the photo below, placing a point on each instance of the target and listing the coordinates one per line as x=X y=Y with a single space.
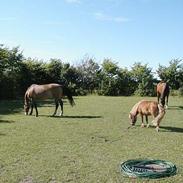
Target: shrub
x=180 y=91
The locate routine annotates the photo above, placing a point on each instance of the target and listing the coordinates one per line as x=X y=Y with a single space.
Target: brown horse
x=163 y=91
x=147 y=108
x=47 y=91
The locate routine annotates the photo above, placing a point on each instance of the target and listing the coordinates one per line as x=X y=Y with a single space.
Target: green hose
x=152 y=169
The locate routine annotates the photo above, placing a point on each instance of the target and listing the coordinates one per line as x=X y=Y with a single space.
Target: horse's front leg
x=158 y=96
x=147 y=121
x=154 y=121
x=56 y=107
x=142 y=117
x=167 y=101
x=31 y=111
x=35 y=105
x=61 y=106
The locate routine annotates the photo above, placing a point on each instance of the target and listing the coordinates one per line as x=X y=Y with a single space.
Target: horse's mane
x=26 y=96
x=135 y=108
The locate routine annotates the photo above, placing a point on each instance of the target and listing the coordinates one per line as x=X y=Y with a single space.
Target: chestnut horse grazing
x=47 y=91
x=163 y=91
x=147 y=108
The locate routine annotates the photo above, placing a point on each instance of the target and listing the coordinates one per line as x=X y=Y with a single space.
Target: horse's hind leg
x=61 y=106
x=56 y=107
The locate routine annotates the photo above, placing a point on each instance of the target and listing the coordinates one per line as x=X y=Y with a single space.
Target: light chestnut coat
x=147 y=108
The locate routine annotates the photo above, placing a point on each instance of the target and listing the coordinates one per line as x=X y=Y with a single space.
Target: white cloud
x=104 y=17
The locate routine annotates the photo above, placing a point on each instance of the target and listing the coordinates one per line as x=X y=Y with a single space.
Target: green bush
x=180 y=91
x=174 y=92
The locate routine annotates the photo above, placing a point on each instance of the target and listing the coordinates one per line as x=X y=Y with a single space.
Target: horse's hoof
x=147 y=125
x=154 y=123
x=142 y=125
x=61 y=115
x=157 y=129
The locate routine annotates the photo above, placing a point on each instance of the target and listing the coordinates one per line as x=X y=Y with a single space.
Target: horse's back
x=45 y=91
x=147 y=107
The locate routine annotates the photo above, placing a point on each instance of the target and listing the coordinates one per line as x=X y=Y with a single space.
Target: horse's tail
x=160 y=115
x=68 y=93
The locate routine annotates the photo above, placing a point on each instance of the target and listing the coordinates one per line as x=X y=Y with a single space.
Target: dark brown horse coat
x=163 y=92
x=48 y=91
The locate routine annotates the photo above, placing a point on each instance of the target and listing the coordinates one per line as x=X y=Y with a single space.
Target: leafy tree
x=89 y=70
x=109 y=75
x=125 y=82
x=54 y=70
x=35 y=71
x=110 y=68
x=10 y=68
x=173 y=74
x=143 y=79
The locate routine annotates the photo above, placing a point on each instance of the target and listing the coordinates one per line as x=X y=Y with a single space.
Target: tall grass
x=88 y=144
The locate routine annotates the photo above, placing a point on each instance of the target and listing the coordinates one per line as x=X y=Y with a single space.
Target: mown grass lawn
x=88 y=144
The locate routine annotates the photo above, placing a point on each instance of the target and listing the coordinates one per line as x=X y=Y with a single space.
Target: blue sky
x=127 y=31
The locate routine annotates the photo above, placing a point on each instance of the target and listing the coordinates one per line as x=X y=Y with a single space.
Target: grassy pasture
x=88 y=144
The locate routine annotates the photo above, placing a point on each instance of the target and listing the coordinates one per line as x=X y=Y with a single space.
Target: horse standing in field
x=163 y=91
x=147 y=108
x=47 y=91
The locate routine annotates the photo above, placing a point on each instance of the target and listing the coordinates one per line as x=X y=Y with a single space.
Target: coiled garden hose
x=151 y=169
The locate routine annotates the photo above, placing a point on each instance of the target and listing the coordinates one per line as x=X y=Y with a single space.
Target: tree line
x=18 y=72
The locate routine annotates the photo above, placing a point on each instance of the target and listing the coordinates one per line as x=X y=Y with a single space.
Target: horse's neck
x=26 y=98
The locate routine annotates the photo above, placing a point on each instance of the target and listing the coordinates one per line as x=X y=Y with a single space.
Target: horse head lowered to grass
x=47 y=91
x=147 y=108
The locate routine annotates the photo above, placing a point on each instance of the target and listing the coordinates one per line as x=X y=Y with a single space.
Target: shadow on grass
x=172 y=129
x=166 y=128
x=10 y=106
x=175 y=107
x=79 y=117
x=6 y=121
x=2 y=134
x=88 y=117
x=17 y=106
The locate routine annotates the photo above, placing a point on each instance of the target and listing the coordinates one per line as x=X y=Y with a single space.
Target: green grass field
x=88 y=144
